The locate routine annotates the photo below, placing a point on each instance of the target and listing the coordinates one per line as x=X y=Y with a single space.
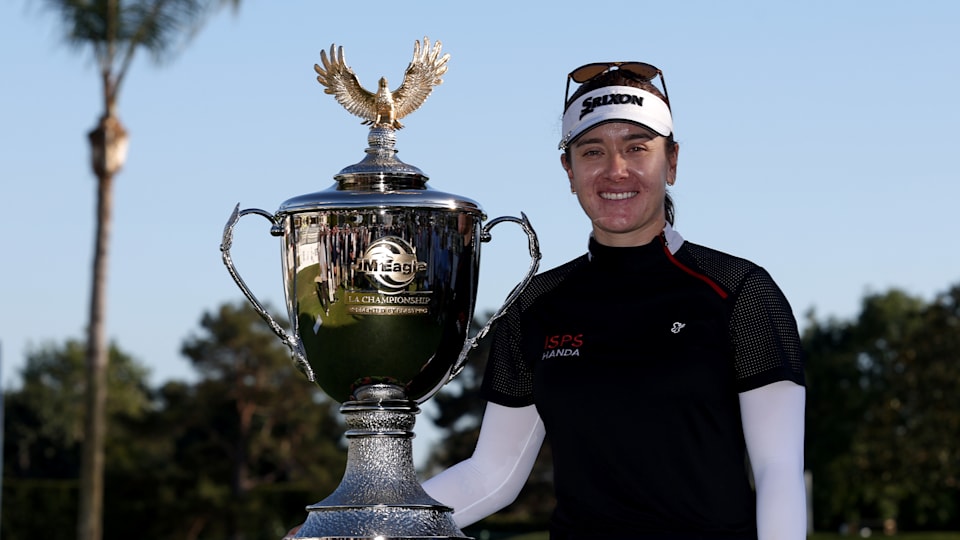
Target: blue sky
x=817 y=139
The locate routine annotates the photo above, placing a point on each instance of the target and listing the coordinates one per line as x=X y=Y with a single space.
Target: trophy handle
x=291 y=341
x=533 y=245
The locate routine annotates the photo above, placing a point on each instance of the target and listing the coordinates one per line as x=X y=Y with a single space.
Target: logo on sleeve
x=562 y=345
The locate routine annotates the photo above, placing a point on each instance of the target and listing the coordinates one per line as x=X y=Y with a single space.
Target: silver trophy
x=380 y=274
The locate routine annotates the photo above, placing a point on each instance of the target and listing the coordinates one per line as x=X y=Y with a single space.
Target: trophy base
x=382 y=524
x=379 y=497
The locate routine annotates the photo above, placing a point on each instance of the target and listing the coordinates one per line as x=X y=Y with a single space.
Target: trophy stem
x=379 y=496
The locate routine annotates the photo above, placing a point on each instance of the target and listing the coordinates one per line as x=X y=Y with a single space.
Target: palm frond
x=115 y=29
x=162 y=27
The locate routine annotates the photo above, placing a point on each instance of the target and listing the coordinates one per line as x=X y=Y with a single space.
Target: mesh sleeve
x=763 y=331
x=508 y=379
x=764 y=334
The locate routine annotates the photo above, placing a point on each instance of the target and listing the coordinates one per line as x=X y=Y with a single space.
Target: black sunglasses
x=637 y=70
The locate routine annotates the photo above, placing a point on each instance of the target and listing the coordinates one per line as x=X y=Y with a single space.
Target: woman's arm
x=773 y=425
x=493 y=476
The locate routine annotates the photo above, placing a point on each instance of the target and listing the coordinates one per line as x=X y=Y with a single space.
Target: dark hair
x=618 y=77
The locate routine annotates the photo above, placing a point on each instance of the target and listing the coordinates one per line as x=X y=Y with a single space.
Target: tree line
x=883 y=412
x=241 y=451
x=236 y=455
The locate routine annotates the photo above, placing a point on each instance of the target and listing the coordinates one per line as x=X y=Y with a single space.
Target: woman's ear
x=566 y=166
x=674 y=159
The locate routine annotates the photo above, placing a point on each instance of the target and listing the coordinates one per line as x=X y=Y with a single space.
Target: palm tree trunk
x=90 y=523
x=108 y=149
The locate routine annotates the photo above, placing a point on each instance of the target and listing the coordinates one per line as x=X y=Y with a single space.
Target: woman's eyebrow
x=638 y=136
x=583 y=141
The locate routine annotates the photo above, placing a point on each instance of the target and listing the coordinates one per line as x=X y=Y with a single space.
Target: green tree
x=883 y=413
x=922 y=417
x=836 y=401
x=238 y=454
x=261 y=440
x=44 y=433
x=114 y=30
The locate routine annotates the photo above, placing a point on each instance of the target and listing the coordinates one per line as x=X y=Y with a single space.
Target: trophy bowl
x=381 y=293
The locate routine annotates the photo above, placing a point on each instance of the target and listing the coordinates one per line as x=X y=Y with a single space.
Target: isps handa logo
x=562 y=345
x=390 y=261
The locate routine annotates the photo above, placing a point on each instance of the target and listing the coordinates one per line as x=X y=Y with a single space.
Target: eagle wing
x=341 y=82
x=421 y=76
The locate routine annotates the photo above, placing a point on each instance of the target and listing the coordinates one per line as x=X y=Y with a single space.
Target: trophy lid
x=380 y=180
x=338 y=198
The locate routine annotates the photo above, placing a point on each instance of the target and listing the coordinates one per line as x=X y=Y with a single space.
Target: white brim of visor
x=615 y=104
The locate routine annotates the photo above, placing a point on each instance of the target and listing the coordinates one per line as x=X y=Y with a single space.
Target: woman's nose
x=616 y=166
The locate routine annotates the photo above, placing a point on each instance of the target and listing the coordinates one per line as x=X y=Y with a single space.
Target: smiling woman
x=619 y=173
x=693 y=353
x=623 y=97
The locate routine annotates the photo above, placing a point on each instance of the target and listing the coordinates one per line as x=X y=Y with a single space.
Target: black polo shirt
x=634 y=358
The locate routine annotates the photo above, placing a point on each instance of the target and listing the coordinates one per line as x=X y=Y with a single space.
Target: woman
x=654 y=365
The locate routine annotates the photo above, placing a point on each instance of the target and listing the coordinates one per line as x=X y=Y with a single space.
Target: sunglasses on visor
x=638 y=70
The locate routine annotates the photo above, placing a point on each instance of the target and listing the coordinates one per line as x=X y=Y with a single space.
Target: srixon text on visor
x=590 y=104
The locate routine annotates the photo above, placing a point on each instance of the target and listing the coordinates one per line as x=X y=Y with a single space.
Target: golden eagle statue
x=383 y=107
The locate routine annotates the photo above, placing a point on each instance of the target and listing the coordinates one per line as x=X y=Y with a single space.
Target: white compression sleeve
x=773 y=425
x=493 y=476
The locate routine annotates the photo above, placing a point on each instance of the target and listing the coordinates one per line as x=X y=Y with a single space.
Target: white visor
x=615 y=104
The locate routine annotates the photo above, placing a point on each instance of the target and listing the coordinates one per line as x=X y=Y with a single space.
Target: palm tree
x=115 y=30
